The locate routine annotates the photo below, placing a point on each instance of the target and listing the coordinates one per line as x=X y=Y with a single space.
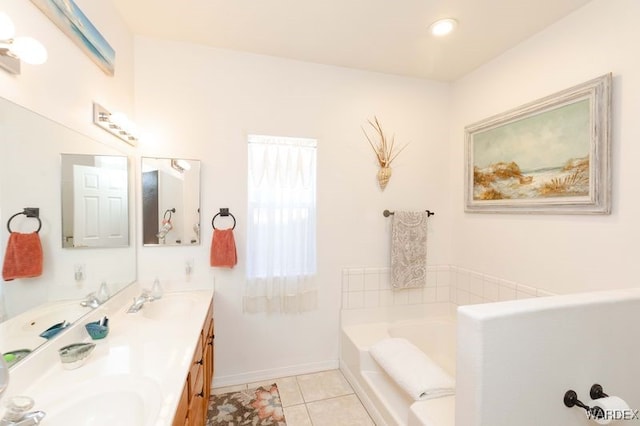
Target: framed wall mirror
x=30 y=176
x=95 y=206
x=170 y=202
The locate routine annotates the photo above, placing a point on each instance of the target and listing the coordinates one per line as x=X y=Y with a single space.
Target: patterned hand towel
x=23 y=258
x=409 y=249
x=223 y=249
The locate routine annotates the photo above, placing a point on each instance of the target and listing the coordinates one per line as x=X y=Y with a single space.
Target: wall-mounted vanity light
x=14 y=49
x=117 y=124
x=180 y=165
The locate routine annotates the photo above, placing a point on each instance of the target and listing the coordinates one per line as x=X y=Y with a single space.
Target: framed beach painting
x=70 y=19
x=549 y=156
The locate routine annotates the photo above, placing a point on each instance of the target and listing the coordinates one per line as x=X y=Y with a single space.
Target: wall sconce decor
x=383 y=148
x=14 y=49
x=117 y=124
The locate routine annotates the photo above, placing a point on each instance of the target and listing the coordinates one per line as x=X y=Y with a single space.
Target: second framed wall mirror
x=170 y=202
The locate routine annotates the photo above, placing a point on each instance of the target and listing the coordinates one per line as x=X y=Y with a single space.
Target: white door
x=100 y=209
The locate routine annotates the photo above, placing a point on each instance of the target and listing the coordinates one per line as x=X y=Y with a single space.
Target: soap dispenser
x=156 y=290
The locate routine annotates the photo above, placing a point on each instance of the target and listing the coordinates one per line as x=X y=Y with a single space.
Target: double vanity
x=154 y=367
x=155 y=364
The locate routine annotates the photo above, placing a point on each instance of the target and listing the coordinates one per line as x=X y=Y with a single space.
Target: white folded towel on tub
x=412 y=369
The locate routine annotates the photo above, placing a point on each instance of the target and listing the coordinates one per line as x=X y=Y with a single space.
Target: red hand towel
x=23 y=258
x=223 y=248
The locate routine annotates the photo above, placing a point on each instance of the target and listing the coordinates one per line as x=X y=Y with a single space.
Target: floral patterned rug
x=255 y=407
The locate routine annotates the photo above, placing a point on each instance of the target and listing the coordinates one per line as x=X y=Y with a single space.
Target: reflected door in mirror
x=95 y=206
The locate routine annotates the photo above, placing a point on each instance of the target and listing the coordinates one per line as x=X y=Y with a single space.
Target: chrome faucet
x=17 y=413
x=90 y=301
x=138 y=302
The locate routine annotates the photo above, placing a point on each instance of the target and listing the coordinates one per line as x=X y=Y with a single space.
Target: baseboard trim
x=264 y=375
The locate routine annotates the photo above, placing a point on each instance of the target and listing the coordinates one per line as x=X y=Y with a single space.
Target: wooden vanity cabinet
x=192 y=409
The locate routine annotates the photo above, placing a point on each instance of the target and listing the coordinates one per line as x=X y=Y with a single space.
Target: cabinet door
x=198 y=404
x=208 y=361
x=196 y=366
x=180 y=418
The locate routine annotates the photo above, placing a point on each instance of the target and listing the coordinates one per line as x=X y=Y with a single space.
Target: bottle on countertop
x=156 y=290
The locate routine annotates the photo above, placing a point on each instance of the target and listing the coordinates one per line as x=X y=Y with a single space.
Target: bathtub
x=385 y=401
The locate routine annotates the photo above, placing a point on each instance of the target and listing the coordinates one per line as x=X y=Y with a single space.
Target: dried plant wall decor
x=384 y=151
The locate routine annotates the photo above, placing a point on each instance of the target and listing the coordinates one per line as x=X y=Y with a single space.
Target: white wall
x=554 y=345
x=561 y=254
x=202 y=103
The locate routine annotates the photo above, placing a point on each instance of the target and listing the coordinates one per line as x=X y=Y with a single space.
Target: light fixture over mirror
x=115 y=123
x=14 y=49
x=170 y=202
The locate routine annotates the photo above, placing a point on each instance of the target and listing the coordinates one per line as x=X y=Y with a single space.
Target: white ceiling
x=389 y=36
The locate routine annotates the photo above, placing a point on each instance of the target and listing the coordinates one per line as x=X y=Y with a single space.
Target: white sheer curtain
x=281 y=234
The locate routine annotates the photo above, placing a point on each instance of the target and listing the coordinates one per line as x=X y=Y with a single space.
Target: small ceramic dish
x=14 y=356
x=75 y=354
x=98 y=329
x=55 y=329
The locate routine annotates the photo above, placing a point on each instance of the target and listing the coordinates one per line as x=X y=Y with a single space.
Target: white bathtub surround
x=409 y=249
x=417 y=374
x=370 y=287
x=373 y=310
x=385 y=401
x=522 y=356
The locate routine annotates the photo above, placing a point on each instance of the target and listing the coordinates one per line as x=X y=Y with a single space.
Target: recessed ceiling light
x=443 y=27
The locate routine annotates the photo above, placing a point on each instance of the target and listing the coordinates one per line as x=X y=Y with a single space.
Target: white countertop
x=146 y=352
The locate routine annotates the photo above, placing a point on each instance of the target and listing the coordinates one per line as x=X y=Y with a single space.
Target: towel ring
x=170 y=211
x=33 y=212
x=224 y=212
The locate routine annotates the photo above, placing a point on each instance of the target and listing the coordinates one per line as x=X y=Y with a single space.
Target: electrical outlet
x=188 y=267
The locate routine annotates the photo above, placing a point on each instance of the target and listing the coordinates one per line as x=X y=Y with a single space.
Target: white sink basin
x=123 y=400
x=44 y=317
x=169 y=307
x=22 y=331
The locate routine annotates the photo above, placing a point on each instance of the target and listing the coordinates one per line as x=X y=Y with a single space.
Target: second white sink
x=123 y=400
x=169 y=307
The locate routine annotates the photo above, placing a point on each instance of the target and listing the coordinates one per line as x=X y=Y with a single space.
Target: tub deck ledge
x=386 y=401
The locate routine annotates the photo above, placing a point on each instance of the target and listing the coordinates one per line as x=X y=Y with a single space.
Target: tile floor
x=317 y=399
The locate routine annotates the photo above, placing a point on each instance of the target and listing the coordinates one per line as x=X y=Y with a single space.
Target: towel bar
x=33 y=212
x=224 y=211
x=387 y=213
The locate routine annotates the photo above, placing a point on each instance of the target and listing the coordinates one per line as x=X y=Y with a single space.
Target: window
x=281 y=234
